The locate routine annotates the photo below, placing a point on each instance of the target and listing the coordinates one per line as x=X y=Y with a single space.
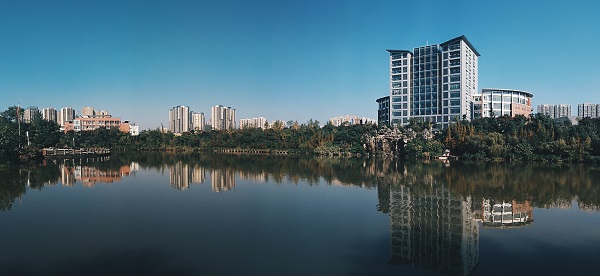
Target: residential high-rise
x=350 y=120
x=434 y=83
x=562 y=110
x=253 y=123
x=222 y=117
x=66 y=114
x=546 y=109
x=50 y=114
x=554 y=110
x=494 y=102
x=88 y=112
x=198 y=121
x=588 y=110
x=180 y=119
x=30 y=114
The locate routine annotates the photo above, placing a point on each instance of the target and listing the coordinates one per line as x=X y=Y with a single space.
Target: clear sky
x=285 y=60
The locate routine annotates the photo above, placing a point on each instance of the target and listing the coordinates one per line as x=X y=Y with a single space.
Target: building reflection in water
x=90 y=175
x=222 y=180
x=506 y=214
x=433 y=230
x=182 y=175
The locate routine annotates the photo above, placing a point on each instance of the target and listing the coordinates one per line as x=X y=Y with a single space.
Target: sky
x=283 y=60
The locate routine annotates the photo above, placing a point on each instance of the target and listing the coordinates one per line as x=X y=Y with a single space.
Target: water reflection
x=435 y=209
x=435 y=231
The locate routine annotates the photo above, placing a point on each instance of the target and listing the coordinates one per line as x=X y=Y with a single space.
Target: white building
x=588 y=110
x=66 y=114
x=435 y=83
x=49 y=114
x=253 y=122
x=351 y=120
x=494 y=102
x=180 y=119
x=554 y=110
x=198 y=121
x=222 y=117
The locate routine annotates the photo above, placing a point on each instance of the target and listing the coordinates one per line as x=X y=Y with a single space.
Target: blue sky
x=286 y=60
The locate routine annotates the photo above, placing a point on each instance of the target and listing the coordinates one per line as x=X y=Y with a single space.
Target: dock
x=82 y=152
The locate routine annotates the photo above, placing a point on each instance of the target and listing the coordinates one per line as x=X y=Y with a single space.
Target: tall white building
x=180 y=119
x=253 y=123
x=198 y=121
x=562 y=110
x=66 y=114
x=30 y=114
x=222 y=117
x=49 y=114
x=434 y=83
x=588 y=110
x=554 y=110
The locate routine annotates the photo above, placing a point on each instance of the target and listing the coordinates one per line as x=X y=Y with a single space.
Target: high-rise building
x=30 y=114
x=562 y=110
x=554 y=110
x=50 y=114
x=198 y=121
x=180 y=119
x=501 y=102
x=66 y=114
x=88 y=112
x=222 y=117
x=434 y=83
x=588 y=110
x=253 y=122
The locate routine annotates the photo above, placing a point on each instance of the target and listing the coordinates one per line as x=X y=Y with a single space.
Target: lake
x=207 y=214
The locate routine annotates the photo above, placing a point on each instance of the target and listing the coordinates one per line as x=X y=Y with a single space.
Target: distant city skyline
x=279 y=59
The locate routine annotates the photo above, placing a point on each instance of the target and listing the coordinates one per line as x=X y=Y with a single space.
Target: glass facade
x=433 y=82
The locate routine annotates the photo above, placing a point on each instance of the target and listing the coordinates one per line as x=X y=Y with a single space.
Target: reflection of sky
x=559 y=242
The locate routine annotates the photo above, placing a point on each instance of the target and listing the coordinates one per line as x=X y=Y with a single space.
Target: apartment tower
x=180 y=119
x=222 y=117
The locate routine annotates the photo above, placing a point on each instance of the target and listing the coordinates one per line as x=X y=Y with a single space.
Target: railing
x=55 y=152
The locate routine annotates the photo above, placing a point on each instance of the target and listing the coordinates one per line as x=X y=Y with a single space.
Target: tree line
x=535 y=138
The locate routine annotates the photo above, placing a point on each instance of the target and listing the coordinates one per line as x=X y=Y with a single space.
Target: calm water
x=199 y=214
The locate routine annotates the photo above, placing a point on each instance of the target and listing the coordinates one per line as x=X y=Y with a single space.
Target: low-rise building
x=351 y=120
x=493 y=102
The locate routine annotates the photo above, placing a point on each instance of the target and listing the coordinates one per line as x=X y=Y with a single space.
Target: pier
x=54 y=152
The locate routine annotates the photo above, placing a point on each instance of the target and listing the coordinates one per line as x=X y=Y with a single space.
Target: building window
x=454 y=70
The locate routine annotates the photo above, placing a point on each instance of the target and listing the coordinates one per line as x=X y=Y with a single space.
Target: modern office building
x=259 y=122
x=198 y=121
x=433 y=83
x=180 y=119
x=383 y=111
x=494 y=102
x=435 y=231
x=588 y=110
x=222 y=117
x=50 y=114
